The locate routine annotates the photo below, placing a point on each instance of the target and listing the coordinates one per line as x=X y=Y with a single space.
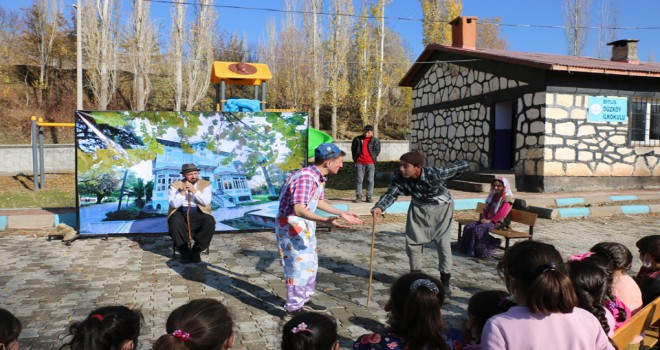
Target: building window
x=644 y=122
x=160 y=181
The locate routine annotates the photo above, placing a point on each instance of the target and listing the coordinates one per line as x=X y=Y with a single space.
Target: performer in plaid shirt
x=430 y=212
x=301 y=194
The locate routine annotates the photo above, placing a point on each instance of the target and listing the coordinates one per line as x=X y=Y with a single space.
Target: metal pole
x=222 y=96
x=35 y=167
x=41 y=156
x=263 y=96
x=217 y=97
x=79 y=70
x=256 y=92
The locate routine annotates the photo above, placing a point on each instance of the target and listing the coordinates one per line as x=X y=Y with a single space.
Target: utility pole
x=79 y=70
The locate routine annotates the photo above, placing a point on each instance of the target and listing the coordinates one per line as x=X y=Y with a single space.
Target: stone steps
x=479 y=181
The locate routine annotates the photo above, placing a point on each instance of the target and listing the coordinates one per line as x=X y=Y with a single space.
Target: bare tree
x=337 y=48
x=176 y=51
x=291 y=87
x=43 y=22
x=199 y=55
x=489 y=36
x=10 y=26
x=437 y=15
x=141 y=48
x=609 y=19
x=576 y=15
x=99 y=40
x=312 y=25
x=362 y=76
x=379 y=12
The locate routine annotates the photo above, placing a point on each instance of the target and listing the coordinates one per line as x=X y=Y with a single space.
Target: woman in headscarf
x=475 y=240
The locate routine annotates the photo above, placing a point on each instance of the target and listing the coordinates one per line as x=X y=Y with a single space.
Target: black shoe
x=369 y=200
x=194 y=256
x=357 y=200
x=314 y=306
x=185 y=256
x=289 y=314
x=444 y=277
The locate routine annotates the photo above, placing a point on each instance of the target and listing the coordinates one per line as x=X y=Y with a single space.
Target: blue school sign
x=608 y=109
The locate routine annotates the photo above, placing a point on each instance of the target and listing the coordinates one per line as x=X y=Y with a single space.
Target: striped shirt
x=301 y=189
x=431 y=184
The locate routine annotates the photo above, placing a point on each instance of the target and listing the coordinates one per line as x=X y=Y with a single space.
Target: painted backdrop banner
x=125 y=162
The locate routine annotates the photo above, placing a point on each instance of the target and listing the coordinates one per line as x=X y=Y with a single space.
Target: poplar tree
x=576 y=15
x=312 y=25
x=141 y=49
x=437 y=15
x=337 y=49
x=99 y=42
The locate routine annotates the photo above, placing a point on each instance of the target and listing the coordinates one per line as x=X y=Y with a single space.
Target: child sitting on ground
x=415 y=317
x=310 y=331
x=590 y=280
x=648 y=277
x=546 y=315
x=106 y=328
x=202 y=324
x=623 y=286
x=482 y=306
x=10 y=329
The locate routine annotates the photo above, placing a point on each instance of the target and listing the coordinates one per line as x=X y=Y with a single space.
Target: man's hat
x=188 y=167
x=327 y=151
x=413 y=157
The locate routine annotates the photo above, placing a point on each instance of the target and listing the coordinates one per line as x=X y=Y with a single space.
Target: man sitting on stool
x=189 y=217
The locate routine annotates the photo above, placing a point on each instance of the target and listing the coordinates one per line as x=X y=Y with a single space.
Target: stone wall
x=530 y=136
x=575 y=148
x=454 y=130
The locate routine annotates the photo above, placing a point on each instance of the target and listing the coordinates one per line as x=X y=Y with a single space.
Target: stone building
x=558 y=122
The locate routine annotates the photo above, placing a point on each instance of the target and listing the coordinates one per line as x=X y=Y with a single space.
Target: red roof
x=540 y=61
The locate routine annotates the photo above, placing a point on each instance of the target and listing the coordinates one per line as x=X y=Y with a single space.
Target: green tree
x=138 y=189
x=98 y=183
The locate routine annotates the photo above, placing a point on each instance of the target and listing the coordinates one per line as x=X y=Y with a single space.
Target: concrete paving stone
x=94 y=272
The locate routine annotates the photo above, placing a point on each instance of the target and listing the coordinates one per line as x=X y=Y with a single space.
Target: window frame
x=651 y=122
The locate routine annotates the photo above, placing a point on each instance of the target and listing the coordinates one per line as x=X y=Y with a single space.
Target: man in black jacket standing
x=365 y=149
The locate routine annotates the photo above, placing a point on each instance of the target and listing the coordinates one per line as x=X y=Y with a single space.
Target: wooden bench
x=519 y=216
x=640 y=325
x=522 y=217
x=479 y=209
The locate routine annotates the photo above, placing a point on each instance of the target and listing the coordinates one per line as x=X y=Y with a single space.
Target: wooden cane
x=371 y=261
x=190 y=242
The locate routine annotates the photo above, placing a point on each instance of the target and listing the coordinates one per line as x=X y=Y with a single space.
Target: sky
x=522 y=18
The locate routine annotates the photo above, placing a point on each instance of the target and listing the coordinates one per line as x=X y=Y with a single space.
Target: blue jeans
x=369 y=170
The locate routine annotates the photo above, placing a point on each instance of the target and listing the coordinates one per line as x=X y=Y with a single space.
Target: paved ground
x=48 y=284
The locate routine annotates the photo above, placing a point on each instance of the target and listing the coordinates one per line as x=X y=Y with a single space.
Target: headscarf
x=493 y=201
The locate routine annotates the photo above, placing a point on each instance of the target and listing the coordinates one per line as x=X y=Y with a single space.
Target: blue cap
x=327 y=151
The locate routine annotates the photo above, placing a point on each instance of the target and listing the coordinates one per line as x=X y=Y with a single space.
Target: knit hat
x=414 y=158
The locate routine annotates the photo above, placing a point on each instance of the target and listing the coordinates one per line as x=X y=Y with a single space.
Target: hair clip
x=426 y=283
x=181 y=334
x=302 y=327
x=97 y=316
x=545 y=267
x=580 y=257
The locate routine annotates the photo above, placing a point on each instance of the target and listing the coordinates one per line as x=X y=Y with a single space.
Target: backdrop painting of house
x=559 y=122
x=126 y=161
